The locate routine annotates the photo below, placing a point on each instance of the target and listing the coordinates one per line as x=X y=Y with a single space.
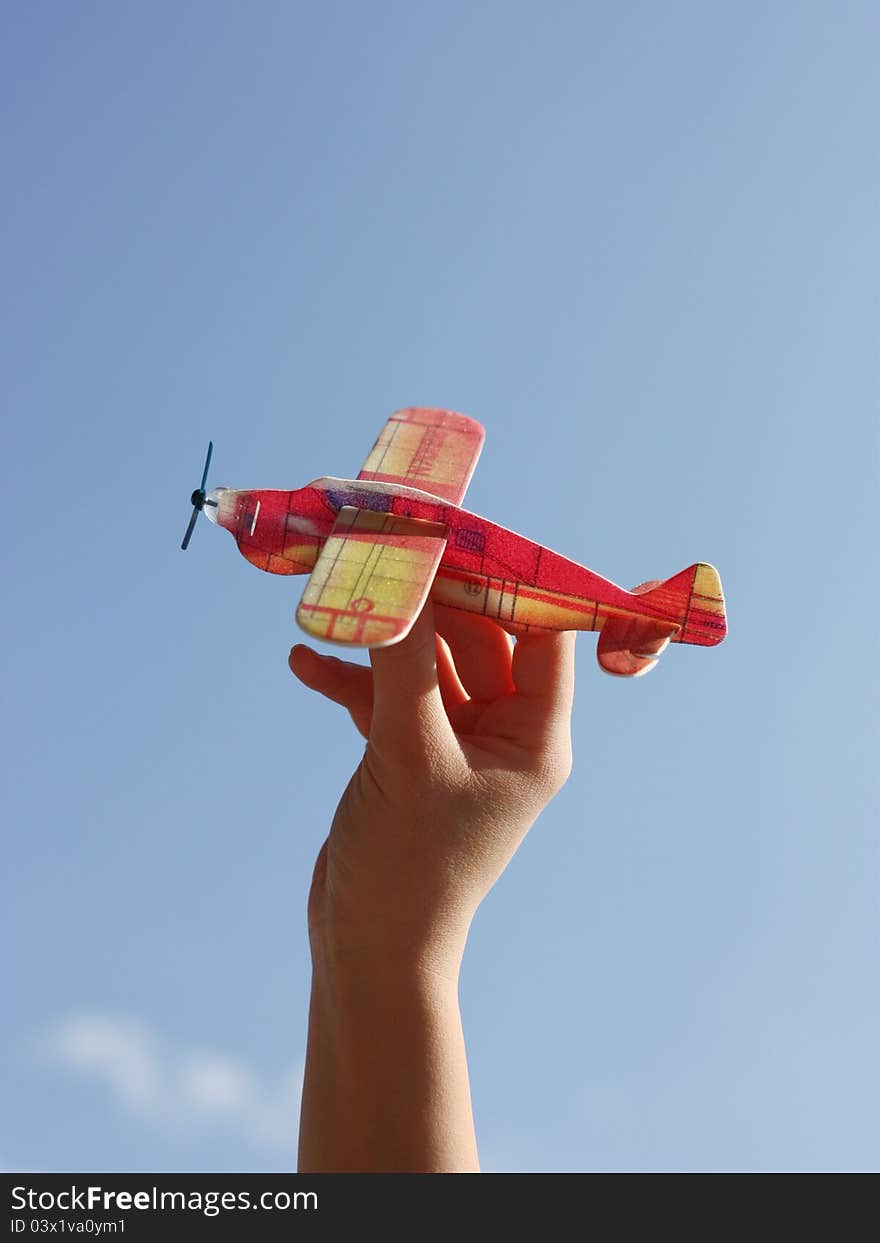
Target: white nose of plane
x=212 y=500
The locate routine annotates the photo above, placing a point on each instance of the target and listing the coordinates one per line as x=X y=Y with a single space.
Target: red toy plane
x=377 y=546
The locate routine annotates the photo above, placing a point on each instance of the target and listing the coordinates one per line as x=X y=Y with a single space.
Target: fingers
x=481 y=651
x=407 y=704
x=543 y=672
x=452 y=692
x=345 y=683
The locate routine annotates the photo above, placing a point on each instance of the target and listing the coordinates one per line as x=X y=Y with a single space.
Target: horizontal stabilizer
x=631 y=646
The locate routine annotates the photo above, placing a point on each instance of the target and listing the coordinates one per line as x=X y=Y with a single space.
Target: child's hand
x=467 y=740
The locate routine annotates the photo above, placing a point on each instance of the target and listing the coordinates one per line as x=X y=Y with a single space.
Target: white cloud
x=121 y=1052
x=174 y=1087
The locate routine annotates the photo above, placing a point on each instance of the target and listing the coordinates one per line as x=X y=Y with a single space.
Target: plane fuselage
x=485 y=568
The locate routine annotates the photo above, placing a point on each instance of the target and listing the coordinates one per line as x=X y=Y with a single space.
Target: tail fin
x=695 y=601
x=687 y=608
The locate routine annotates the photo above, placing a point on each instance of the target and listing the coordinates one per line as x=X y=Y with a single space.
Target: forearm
x=467 y=740
x=386 y=1083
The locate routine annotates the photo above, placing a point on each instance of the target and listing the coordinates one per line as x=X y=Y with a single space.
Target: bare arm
x=467 y=740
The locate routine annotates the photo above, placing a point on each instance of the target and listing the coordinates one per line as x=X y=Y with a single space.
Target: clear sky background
x=639 y=242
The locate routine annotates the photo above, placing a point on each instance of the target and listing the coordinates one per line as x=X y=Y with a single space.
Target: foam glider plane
x=377 y=546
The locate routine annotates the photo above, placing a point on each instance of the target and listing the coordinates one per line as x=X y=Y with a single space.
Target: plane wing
x=435 y=450
x=371 y=578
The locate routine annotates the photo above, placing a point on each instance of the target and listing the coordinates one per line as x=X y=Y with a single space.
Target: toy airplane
x=375 y=547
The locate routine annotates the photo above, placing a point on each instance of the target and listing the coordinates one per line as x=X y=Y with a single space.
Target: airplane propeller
x=198 y=498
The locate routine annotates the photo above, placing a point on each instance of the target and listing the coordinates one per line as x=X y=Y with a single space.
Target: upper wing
x=434 y=450
x=371 y=578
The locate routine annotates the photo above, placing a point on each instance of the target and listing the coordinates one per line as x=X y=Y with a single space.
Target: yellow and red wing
x=371 y=578
x=435 y=450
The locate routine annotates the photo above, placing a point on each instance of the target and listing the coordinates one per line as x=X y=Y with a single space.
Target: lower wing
x=372 y=578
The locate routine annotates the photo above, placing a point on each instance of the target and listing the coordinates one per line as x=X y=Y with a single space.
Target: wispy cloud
x=176 y=1087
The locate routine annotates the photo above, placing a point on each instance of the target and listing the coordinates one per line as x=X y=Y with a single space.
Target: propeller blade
x=190 y=528
x=198 y=498
x=207 y=466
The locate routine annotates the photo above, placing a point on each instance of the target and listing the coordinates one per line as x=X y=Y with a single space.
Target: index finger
x=407 y=704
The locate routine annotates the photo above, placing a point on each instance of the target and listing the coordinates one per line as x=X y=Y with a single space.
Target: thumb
x=407 y=705
x=345 y=683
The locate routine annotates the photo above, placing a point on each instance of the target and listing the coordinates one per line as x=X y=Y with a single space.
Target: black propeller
x=198 y=498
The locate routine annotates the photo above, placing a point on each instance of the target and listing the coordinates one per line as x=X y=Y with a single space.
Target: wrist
x=384 y=952
x=388 y=933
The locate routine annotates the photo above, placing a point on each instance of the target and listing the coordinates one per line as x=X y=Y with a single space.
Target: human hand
x=468 y=739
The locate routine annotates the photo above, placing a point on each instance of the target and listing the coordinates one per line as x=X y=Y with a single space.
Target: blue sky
x=640 y=244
